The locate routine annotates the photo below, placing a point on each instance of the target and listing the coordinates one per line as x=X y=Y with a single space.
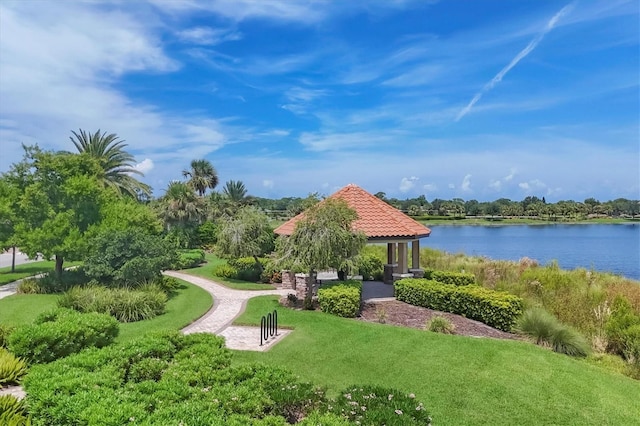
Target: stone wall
x=304 y=283
x=288 y=280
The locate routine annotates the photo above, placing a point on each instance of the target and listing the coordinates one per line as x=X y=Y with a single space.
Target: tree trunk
x=258 y=264
x=341 y=275
x=13 y=260
x=59 y=262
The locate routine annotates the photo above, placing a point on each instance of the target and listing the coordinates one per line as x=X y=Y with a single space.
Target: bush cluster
x=49 y=283
x=225 y=271
x=124 y=304
x=449 y=277
x=341 y=298
x=12 y=368
x=623 y=334
x=440 y=325
x=189 y=259
x=169 y=379
x=60 y=333
x=370 y=267
x=247 y=268
x=546 y=330
x=497 y=309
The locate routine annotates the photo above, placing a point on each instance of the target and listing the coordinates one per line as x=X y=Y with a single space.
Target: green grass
x=461 y=380
x=188 y=305
x=29 y=269
x=206 y=271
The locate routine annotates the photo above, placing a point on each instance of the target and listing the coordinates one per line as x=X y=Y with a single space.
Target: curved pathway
x=228 y=304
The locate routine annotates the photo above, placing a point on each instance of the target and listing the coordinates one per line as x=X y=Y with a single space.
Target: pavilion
x=381 y=223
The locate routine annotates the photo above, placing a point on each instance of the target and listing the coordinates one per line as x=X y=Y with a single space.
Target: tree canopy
x=202 y=176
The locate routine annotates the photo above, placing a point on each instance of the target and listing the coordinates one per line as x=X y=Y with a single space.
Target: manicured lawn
x=461 y=380
x=206 y=271
x=188 y=305
x=29 y=269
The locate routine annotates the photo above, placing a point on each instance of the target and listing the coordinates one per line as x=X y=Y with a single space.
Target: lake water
x=607 y=248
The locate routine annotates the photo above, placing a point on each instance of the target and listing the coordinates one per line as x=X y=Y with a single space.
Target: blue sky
x=471 y=99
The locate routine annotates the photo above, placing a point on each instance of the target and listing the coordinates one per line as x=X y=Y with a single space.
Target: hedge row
x=448 y=277
x=341 y=298
x=61 y=333
x=497 y=309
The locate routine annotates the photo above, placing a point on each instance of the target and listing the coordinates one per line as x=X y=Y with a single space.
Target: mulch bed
x=405 y=315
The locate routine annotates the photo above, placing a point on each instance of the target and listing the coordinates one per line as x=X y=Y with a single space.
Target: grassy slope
x=29 y=269
x=461 y=380
x=206 y=271
x=189 y=304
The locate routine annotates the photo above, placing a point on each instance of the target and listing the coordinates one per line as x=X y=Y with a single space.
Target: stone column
x=415 y=260
x=403 y=262
x=391 y=253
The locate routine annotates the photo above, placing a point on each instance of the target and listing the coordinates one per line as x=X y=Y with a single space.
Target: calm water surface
x=608 y=248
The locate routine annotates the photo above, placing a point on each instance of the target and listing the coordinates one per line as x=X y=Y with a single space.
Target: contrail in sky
x=523 y=53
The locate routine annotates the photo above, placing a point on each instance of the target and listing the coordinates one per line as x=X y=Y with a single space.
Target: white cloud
x=145 y=166
x=327 y=141
x=208 y=36
x=496 y=185
x=466 y=183
x=267 y=183
x=524 y=185
x=451 y=186
x=510 y=176
x=407 y=183
x=521 y=55
x=430 y=187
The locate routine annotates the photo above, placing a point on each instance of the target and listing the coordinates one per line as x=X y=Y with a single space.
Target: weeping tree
x=247 y=234
x=323 y=239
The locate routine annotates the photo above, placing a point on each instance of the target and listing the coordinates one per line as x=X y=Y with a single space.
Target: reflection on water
x=610 y=248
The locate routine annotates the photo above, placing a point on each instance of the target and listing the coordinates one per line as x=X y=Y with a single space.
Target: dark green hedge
x=189 y=258
x=497 y=309
x=341 y=298
x=61 y=333
x=448 y=277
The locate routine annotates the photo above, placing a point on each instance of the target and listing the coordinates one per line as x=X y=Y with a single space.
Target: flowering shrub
x=373 y=405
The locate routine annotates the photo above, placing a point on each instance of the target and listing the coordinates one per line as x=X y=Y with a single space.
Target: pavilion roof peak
x=376 y=218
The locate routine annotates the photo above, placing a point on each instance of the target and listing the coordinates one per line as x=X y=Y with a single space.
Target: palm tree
x=202 y=176
x=180 y=205
x=118 y=164
x=235 y=190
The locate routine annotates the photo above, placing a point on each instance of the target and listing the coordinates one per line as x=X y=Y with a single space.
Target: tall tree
x=60 y=199
x=235 y=190
x=9 y=217
x=117 y=164
x=202 y=176
x=323 y=239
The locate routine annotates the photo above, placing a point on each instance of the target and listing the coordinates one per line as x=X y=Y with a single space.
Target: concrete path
x=9 y=289
x=228 y=304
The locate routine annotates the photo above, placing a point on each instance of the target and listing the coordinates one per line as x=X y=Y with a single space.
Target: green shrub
x=12 y=368
x=318 y=418
x=128 y=257
x=189 y=259
x=30 y=286
x=622 y=318
x=225 y=271
x=124 y=304
x=370 y=267
x=568 y=341
x=440 y=325
x=13 y=411
x=546 y=330
x=374 y=405
x=5 y=331
x=248 y=269
x=341 y=298
x=60 y=333
x=168 y=379
x=453 y=278
x=497 y=309
x=538 y=324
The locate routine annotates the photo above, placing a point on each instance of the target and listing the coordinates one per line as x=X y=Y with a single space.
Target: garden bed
x=405 y=315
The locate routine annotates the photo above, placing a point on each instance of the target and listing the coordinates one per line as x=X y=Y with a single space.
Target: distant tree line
x=530 y=206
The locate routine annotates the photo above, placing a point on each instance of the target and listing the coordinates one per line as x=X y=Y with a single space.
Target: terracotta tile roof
x=376 y=218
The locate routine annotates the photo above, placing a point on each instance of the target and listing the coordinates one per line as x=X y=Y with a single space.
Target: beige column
x=391 y=253
x=403 y=263
x=415 y=254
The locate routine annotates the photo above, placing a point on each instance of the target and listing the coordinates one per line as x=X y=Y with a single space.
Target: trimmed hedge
x=341 y=298
x=189 y=258
x=448 y=277
x=494 y=308
x=60 y=333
